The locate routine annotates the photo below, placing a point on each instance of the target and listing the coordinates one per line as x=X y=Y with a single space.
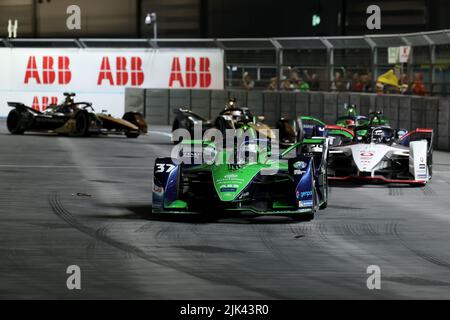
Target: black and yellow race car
x=72 y=118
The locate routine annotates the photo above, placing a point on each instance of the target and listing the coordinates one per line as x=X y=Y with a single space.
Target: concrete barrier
x=408 y=112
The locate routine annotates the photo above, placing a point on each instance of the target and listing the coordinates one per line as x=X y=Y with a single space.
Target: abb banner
x=38 y=77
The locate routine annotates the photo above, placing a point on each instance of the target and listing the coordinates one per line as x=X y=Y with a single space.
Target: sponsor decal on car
x=306 y=194
x=300 y=165
x=307 y=203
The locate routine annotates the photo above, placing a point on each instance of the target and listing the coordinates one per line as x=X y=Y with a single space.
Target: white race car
x=383 y=154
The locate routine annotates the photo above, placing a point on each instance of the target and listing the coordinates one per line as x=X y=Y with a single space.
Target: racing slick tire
x=132 y=135
x=221 y=125
x=81 y=124
x=13 y=122
x=138 y=120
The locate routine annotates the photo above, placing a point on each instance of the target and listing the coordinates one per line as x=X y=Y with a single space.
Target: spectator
x=312 y=81
x=338 y=83
x=273 y=85
x=357 y=85
x=366 y=82
x=286 y=84
x=418 y=87
x=247 y=81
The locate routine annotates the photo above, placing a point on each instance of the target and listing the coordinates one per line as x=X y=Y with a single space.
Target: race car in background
x=385 y=156
x=294 y=184
x=73 y=118
x=375 y=152
x=234 y=118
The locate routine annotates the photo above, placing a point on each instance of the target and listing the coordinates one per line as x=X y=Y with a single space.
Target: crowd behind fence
x=340 y=64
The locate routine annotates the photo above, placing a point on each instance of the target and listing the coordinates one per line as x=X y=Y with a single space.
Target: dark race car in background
x=234 y=118
x=73 y=118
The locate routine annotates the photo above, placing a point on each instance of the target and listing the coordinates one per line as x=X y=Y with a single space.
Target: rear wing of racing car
x=338 y=135
x=21 y=107
x=309 y=127
x=318 y=147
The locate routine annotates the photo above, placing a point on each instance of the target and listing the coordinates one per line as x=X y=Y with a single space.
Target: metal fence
x=301 y=64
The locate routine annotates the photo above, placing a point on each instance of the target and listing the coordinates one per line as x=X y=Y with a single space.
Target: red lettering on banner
x=44 y=102
x=122 y=74
x=205 y=73
x=32 y=71
x=48 y=71
x=105 y=72
x=191 y=75
x=48 y=74
x=64 y=73
x=175 y=74
x=137 y=75
x=35 y=104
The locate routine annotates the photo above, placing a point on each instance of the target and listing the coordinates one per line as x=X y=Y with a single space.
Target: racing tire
x=221 y=125
x=81 y=124
x=138 y=120
x=13 y=122
x=132 y=135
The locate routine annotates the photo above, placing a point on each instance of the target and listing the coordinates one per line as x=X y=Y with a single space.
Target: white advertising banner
x=38 y=77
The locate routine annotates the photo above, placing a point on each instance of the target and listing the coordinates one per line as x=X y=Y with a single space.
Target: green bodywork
x=231 y=180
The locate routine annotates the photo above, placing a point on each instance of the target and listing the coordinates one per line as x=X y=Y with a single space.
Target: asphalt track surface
x=87 y=202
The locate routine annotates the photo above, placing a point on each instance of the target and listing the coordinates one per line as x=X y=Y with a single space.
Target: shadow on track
x=144 y=212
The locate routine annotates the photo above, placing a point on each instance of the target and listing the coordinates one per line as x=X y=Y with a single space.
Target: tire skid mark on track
x=395 y=192
x=421 y=254
x=65 y=215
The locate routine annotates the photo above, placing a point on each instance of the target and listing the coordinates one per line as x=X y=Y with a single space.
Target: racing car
x=294 y=184
x=352 y=119
x=73 y=118
x=234 y=118
x=374 y=151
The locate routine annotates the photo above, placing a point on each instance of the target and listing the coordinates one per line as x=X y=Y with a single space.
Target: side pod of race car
x=288 y=185
x=73 y=118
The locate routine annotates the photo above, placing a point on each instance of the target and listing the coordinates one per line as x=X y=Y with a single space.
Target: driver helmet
x=382 y=135
x=231 y=104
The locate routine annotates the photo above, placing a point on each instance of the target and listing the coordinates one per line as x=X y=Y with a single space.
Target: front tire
x=13 y=122
x=132 y=135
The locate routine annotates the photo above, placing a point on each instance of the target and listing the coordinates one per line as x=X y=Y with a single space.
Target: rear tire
x=13 y=122
x=221 y=125
x=81 y=124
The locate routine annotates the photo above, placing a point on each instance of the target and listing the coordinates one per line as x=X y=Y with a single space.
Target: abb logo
x=135 y=76
x=44 y=103
x=49 y=75
x=191 y=77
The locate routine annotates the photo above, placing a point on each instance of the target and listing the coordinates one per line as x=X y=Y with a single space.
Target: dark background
x=221 y=18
